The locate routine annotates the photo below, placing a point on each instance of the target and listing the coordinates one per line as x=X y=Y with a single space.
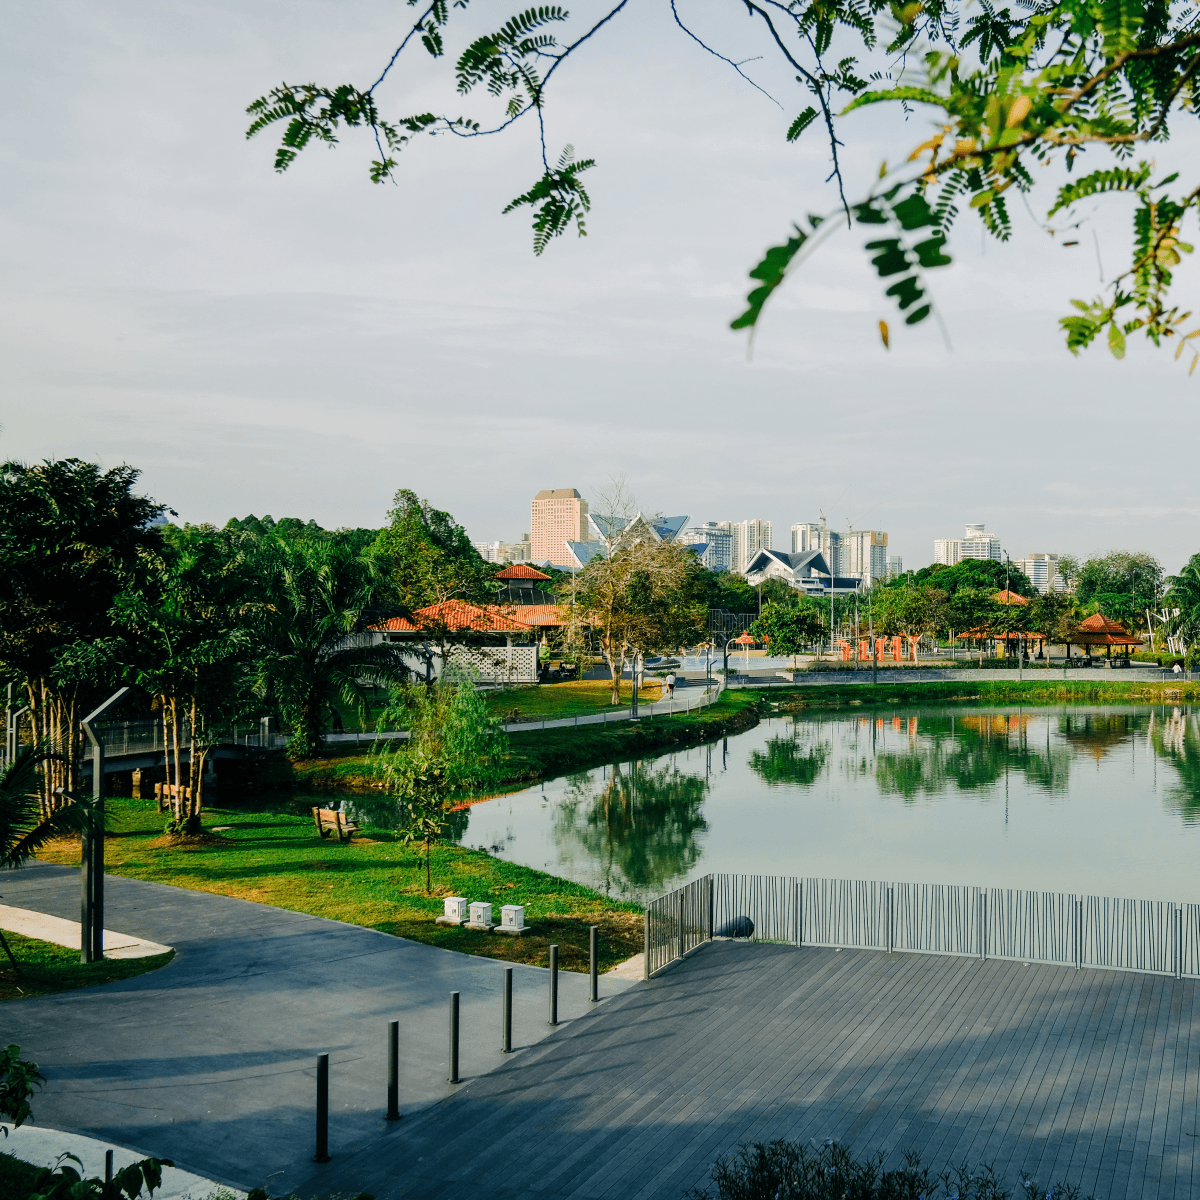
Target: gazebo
x=1004 y=596
x=1098 y=630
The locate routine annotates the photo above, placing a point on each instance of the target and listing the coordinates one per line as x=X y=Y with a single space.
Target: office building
x=865 y=552
x=947 y=551
x=1042 y=570
x=557 y=516
x=717 y=539
x=895 y=567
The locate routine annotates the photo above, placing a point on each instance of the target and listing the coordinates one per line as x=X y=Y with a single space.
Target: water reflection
x=786 y=760
x=639 y=824
x=1175 y=737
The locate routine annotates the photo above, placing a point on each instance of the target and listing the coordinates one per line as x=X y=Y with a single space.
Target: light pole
x=92 y=881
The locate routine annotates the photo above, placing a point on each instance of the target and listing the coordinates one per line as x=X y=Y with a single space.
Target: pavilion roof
x=521 y=571
x=543 y=614
x=458 y=615
x=1004 y=596
x=1098 y=630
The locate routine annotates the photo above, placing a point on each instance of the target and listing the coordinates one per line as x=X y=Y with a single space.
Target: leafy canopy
x=1006 y=92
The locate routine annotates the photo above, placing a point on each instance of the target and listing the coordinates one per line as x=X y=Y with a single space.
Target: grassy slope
x=1046 y=691
x=47 y=968
x=374 y=881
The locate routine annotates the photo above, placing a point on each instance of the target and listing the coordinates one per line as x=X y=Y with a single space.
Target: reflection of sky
x=1087 y=799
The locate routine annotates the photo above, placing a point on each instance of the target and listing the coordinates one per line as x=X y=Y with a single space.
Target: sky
x=306 y=344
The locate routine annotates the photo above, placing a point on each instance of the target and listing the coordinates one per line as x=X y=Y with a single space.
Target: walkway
x=1046 y=1072
x=211 y=1060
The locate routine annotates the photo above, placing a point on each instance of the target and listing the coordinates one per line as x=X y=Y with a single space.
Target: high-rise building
x=557 y=516
x=717 y=538
x=865 y=551
x=487 y=550
x=752 y=536
x=808 y=535
x=977 y=544
x=947 y=551
x=1042 y=570
x=895 y=567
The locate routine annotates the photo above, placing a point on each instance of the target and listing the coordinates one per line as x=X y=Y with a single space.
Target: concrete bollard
x=393 y=1108
x=453 y=1037
x=553 y=985
x=506 y=1021
x=322 y=1154
x=594 y=963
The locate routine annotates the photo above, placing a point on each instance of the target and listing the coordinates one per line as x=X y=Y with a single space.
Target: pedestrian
x=1177 y=668
x=670 y=685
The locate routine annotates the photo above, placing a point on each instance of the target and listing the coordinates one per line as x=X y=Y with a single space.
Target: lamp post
x=92 y=880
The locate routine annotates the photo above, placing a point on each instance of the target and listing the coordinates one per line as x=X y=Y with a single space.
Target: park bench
x=330 y=820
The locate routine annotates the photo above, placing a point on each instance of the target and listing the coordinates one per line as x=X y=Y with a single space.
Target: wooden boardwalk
x=1043 y=1071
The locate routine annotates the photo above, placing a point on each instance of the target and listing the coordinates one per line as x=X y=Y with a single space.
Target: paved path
x=211 y=1060
x=1083 y=1076
x=61 y=932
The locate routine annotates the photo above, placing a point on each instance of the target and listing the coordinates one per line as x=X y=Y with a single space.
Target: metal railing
x=1157 y=937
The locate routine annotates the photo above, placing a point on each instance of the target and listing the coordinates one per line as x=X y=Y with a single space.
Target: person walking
x=671 y=686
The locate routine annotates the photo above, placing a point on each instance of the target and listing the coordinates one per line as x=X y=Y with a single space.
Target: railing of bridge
x=135 y=737
x=1159 y=937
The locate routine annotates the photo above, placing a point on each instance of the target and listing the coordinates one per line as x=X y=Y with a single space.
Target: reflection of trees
x=786 y=761
x=1176 y=739
x=1099 y=732
x=385 y=812
x=972 y=753
x=639 y=825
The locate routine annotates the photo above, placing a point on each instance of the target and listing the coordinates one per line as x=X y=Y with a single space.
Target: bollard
x=506 y=1024
x=594 y=963
x=322 y=1154
x=453 y=1037
x=393 y=1111
x=553 y=985
x=108 y=1166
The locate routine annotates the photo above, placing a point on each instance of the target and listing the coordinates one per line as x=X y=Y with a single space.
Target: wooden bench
x=330 y=820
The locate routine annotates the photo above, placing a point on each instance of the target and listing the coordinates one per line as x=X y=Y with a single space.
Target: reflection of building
x=1042 y=571
x=557 y=516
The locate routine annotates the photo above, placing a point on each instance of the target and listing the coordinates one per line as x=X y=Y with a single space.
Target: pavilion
x=1098 y=630
x=1006 y=636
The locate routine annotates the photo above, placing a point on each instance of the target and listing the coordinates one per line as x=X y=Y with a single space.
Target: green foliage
x=771 y=271
x=557 y=199
x=24 y=828
x=1137 y=576
x=785 y=763
x=1183 y=594
x=66 y=1183
x=971 y=572
x=789 y=628
x=19 y=1079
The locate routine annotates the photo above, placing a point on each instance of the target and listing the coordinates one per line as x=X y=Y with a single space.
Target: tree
x=789 y=629
x=911 y=611
x=24 y=825
x=1054 y=615
x=1124 y=586
x=641 y=599
x=1182 y=602
x=454 y=744
x=1005 y=92
x=312 y=633
x=70 y=540
x=983 y=573
x=973 y=610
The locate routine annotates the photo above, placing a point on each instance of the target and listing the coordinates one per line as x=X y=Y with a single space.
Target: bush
x=791 y=1171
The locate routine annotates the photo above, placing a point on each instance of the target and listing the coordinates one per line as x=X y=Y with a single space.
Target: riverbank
x=546 y=753
x=1044 y=691
x=375 y=881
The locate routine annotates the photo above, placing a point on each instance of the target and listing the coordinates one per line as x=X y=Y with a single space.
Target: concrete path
x=61 y=932
x=1086 y=1077
x=211 y=1061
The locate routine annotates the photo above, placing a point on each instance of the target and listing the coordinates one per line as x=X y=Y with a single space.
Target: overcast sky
x=306 y=344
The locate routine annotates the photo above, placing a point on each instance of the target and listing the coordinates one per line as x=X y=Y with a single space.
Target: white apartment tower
x=808 y=535
x=1042 y=570
x=974 y=543
x=866 y=555
x=750 y=537
x=718 y=537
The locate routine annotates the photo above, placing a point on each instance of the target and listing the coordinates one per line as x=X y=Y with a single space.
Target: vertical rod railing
x=506 y=1020
x=1178 y=941
x=799 y=926
x=710 y=882
x=553 y=985
x=646 y=944
x=393 y=1108
x=322 y=1154
x=1078 y=934
x=453 y=1037
x=594 y=963
x=890 y=918
x=682 y=945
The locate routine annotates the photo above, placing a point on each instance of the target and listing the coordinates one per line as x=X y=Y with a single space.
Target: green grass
x=1046 y=691
x=47 y=968
x=16 y=1177
x=548 y=701
x=375 y=881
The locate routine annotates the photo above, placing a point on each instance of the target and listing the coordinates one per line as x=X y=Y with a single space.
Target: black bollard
x=393 y=1112
x=553 y=985
x=594 y=951
x=108 y=1166
x=453 y=1037
x=322 y=1154
x=506 y=1026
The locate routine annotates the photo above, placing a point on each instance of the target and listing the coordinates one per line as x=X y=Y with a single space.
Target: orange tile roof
x=521 y=571
x=1098 y=630
x=1004 y=596
x=458 y=614
x=542 y=614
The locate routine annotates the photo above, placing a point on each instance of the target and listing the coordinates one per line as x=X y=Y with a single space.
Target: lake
x=1093 y=799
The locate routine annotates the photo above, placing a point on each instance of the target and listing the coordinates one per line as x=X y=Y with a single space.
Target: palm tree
x=315 y=644
x=1183 y=595
x=23 y=829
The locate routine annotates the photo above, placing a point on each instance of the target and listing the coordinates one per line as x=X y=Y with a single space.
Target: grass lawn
x=47 y=968
x=547 y=701
x=16 y=1177
x=375 y=881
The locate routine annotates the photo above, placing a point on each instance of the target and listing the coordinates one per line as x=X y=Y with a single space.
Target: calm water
x=1078 y=799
